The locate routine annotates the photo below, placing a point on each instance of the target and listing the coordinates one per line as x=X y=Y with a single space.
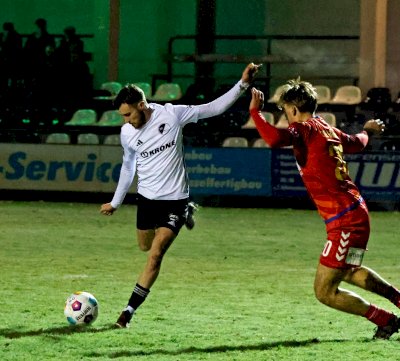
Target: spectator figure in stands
x=76 y=75
x=35 y=50
x=10 y=56
x=71 y=46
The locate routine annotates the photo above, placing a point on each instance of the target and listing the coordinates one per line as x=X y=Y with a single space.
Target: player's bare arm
x=107 y=209
x=374 y=126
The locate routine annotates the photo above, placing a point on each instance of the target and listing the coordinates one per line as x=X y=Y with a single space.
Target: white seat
x=348 y=95
x=88 y=138
x=269 y=117
x=330 y=118
x=58 y=138
x=260 y=143
x=167 y=92
x=282 y=122
x=235 y=142
x=112 y=139
x=83 y=117
x=324 y=94
x=110 y=118
x=277 y=94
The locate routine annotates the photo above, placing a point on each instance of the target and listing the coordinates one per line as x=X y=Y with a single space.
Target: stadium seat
x=146 y=87
x=58 y=138
x=330 y=118
x=282 y=122
x=112 y=139
x=167 y=92
x=277 y=94
x=235 y=142
x=260 y=143
x=83 y=117
x=269 y=117
x=347 y=95
x=324 y=94
x=110 y=118
x=390 y=145
x=113 y=87
x=88 y=138
x=377 y=99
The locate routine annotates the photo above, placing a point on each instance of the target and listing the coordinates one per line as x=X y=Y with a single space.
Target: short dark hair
x=300 y=94
x=129 y=94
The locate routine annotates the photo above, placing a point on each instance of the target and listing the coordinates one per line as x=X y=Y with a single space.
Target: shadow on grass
x=215 y=349
x=64 y=330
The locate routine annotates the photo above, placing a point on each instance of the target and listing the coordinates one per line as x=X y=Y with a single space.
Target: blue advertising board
x=229 y=171
x=376 y=174
x=259 y=172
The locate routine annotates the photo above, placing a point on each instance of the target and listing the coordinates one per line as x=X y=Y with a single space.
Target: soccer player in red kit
x=318 y=149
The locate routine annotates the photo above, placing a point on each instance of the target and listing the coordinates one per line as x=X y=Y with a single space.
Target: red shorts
x=347 y=239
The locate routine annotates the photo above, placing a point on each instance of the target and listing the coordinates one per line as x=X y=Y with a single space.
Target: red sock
x=379 y=316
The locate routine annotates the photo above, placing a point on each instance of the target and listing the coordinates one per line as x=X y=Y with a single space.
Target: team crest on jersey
x=164 y=128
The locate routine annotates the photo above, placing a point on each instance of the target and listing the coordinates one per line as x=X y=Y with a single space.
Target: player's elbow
x=275 y=144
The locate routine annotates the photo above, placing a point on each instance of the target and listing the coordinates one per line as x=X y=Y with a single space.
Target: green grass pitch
x=237 y=287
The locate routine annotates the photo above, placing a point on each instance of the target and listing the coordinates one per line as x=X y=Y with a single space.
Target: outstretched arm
x=274 y=137
x=355 y=143
x=225 y=101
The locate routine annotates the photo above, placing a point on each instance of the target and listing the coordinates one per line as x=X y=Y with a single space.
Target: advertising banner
x=212 y=171
x=376 y=174
x=229 y=171
x=95 y=168
x=81 y=168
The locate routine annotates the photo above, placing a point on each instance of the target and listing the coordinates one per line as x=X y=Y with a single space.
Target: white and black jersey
x=155 y=151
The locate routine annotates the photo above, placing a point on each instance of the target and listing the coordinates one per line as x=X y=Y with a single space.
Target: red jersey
x=318 y=149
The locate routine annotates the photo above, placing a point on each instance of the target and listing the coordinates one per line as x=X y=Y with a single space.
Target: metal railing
x=268 y=58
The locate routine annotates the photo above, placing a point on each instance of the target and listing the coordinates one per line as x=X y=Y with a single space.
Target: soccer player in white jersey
x=153 y=149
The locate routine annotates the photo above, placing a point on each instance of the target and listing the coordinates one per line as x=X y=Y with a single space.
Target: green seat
x=167 y=92
x=83 y=117
x=112 y=139
x=113 y=87
x=58 y=138
x=110 y=118
x=146 y=87
x=88 y=138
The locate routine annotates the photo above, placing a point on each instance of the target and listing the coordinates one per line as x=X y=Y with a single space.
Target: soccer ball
x=81 y=308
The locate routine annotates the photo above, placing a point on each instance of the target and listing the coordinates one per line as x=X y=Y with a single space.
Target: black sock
x=138 y=296
x=394 y=296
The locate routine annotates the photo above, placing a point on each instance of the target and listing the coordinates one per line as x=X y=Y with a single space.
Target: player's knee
x=323 y=295
x=144 y=246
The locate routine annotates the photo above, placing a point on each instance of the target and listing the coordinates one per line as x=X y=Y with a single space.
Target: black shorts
x=152 y=214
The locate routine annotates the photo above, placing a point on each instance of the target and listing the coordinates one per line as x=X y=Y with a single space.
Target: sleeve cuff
x=243 y=85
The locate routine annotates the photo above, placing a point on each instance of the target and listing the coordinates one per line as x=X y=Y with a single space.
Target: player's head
x=297 y=97
x=131 y=103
